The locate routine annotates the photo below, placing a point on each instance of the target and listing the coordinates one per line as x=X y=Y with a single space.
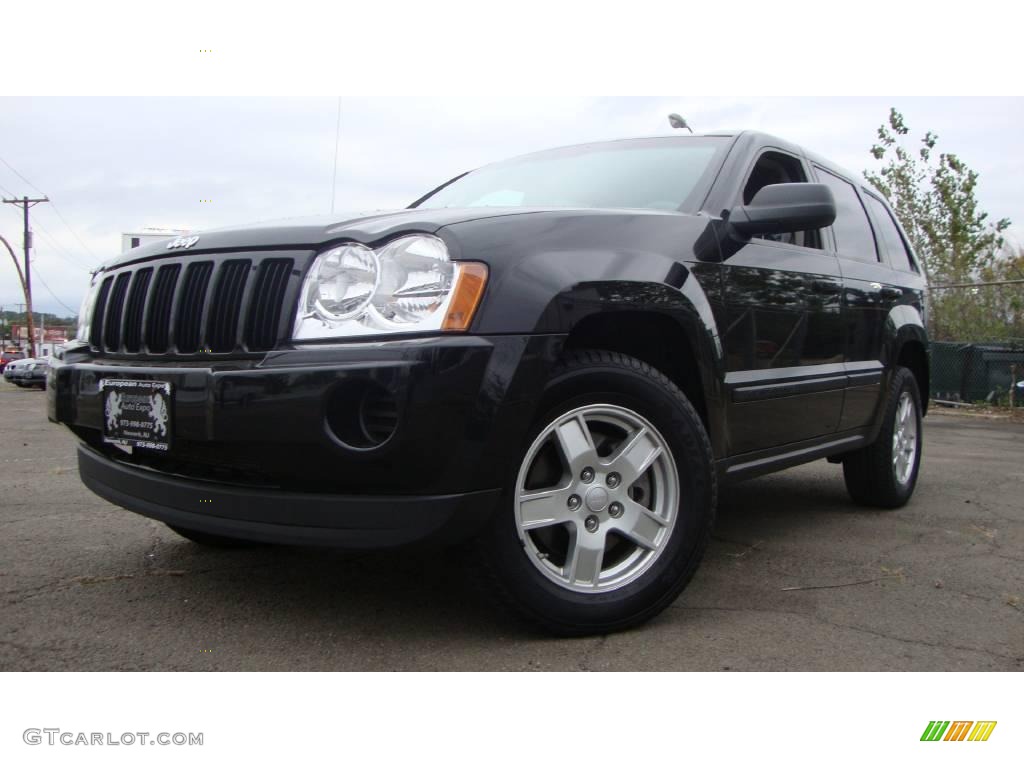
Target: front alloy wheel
x=597 y=498
x=609 y=506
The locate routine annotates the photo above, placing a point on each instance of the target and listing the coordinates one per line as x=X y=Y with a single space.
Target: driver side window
x=779 y=168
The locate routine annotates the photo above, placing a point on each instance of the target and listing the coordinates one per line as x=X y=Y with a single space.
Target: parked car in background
x=561 y=357
x=8 y=357
x=11 y=369
x=28 y=373
x=34 y=374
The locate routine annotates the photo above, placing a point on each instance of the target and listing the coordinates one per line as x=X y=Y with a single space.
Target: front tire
x=884 y=473
x=608 y=511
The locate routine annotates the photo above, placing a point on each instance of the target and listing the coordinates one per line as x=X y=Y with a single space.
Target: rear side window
x=889 y=235
x=854 y=238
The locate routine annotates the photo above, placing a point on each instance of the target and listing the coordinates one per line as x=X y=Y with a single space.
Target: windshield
x=660 y=174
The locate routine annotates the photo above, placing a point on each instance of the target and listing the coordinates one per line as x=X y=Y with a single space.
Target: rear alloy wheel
x=609 y=508
x=904 y=439
x=884 y=473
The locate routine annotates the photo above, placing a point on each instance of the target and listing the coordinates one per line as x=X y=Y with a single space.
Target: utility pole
x=26 y=203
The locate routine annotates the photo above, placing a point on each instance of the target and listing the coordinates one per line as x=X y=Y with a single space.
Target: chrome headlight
x=85 y=310
x=342 y=282
x=409 y=285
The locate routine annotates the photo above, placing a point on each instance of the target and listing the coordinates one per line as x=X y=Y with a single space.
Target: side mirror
x=779 y=208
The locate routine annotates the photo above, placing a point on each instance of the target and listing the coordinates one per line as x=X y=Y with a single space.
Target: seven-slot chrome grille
x=220 y=303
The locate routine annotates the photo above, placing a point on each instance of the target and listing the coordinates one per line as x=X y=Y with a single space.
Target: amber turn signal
x=469 y=289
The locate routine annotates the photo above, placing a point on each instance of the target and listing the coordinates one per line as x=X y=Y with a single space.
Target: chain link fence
x=984 y=368
x=989 y=373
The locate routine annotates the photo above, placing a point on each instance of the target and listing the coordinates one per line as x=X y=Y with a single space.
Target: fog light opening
x=361 y=415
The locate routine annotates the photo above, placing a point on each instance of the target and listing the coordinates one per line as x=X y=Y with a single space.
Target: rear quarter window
x=889 y=236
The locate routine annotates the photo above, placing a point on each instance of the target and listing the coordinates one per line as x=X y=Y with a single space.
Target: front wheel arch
x=654 y=338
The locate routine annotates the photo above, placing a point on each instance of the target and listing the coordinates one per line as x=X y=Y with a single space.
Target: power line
x=74 y=312
x=55 y=208
x=57 y=248
x=53 y=242
x=15 y=172
x=80 y=240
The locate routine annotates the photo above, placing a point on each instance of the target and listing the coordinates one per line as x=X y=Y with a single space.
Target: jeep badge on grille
x=183 y=242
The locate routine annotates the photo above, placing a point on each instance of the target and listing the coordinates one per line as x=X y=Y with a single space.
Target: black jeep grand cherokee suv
x=561 y=355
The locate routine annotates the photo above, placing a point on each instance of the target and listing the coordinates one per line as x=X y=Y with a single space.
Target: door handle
x=888 y=292
x=824 y=286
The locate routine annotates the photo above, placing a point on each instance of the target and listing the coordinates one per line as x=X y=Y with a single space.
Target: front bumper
x=349 y=522
x=258 y=438
x=27 y=378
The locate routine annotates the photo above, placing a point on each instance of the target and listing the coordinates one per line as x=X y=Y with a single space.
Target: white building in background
x=50 y=350
x=50 y=340
x=147 y=236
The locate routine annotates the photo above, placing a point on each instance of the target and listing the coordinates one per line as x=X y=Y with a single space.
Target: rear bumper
x=345 y=521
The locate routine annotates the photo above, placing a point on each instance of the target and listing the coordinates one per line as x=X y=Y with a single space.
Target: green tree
x=1003 y=302
x=933 y=195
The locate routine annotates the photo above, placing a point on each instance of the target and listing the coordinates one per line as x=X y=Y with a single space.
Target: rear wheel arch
x=906 y=345
x=873 y=474
x=914 y=355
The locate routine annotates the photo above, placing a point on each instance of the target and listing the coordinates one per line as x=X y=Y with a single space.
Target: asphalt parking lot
x=938 y=585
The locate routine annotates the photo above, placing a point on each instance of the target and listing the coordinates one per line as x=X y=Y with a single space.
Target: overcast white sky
x=113 y=165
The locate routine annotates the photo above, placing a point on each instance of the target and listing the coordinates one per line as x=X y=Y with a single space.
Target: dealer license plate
x=137 y=414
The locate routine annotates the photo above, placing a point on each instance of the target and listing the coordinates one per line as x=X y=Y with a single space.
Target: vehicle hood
x=369 y=228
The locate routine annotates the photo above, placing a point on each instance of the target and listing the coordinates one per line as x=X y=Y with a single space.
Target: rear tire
x=884 y=473
x=211 y=539
x=591 y=537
